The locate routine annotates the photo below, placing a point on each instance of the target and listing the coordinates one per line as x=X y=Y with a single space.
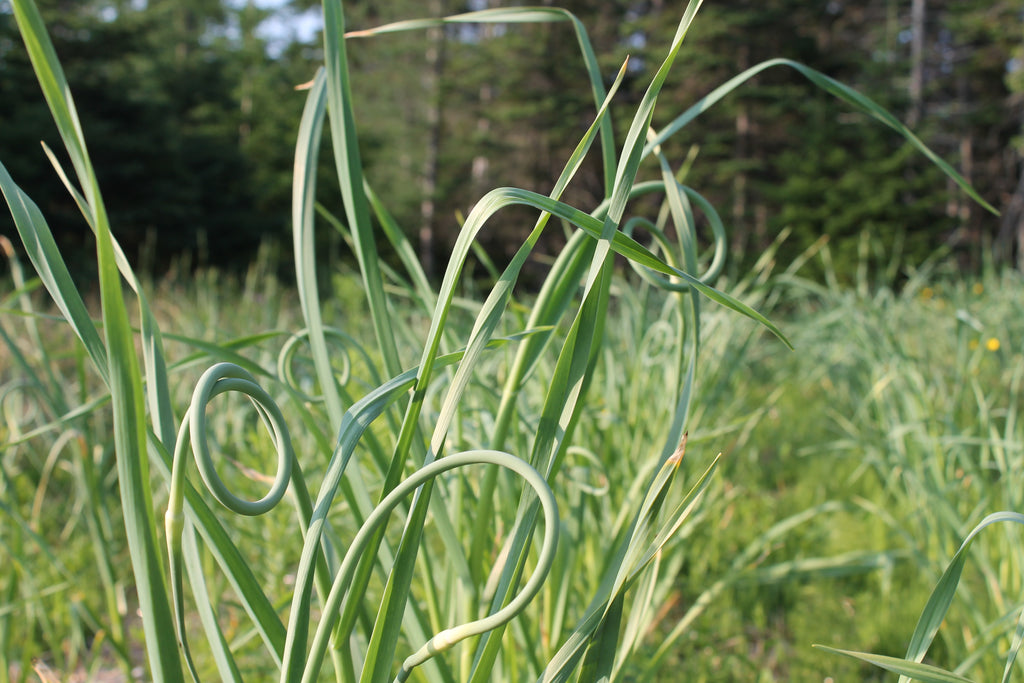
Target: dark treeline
x=190 y=110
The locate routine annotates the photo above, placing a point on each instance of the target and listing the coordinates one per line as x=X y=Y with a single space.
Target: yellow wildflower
x=927 y=293
x=992 y=344
x=978 y=288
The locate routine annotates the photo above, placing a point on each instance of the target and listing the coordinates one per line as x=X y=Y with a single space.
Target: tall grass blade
x=908 y=670
x=121 y=362
x=226 y=665
x=935 y=609
x=934 y=612
x=45 y=257
x=1018 y=640
x=307 y=148
x=403 y=248
x=350 y=176
x=842 y=92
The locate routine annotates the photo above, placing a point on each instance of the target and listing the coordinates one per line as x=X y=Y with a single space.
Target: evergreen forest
x=190 y=108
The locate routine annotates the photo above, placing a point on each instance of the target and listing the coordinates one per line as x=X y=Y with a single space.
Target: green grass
x=793 y=428
x=897 y=406
x=488 y=424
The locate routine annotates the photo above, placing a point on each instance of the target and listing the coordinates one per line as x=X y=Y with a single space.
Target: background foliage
x=187 y=106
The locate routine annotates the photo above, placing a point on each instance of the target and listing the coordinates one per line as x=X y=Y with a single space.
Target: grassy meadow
x=852 y=467
x=651 y=467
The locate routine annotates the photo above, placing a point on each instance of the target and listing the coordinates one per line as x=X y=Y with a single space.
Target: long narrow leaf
x=938 y=603
x=907 y=669
x=121 y=362
x=845 y=93
x=347 y=160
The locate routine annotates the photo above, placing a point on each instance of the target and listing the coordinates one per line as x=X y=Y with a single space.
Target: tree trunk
x=916 y=87
x=434 y=66
x=1011 y=227
x=739 y=186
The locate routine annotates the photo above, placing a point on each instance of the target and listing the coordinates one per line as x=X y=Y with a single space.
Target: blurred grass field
x=885 y=436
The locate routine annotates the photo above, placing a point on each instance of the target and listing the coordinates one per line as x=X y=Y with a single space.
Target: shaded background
x=190 y=111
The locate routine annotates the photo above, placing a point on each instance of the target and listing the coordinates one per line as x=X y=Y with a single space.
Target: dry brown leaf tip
x=677 y=457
